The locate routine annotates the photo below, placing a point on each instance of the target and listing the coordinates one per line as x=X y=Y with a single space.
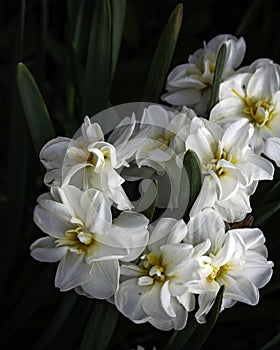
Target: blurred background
x=39 y=34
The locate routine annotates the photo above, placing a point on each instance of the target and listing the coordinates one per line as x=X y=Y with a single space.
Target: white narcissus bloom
x=160 y=144
x=190 y=83
x=236 y=259
x=155 y=288
x=88 y=161
x=85 y=240
x=229 y=166
x=254 y=96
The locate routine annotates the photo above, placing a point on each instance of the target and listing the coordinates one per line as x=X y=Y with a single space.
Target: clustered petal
x=157 y=270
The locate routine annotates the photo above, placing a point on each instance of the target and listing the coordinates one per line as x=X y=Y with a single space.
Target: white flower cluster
x=159 y=271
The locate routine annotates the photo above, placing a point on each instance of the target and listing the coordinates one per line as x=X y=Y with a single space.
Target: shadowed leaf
x=163 y=56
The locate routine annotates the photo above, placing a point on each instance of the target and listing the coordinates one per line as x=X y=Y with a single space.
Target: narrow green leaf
x=55 y=49
x=149 y=212
x=219 y=68
x=14 y=207
x=179 y=338
x=57 y=321
x=271 y=344
x=100 y=327
x=118 y=17
x=79 y=25
x=194 y=335
x=35 y=110
x=202 y=332
x=163 y=56
x=245 y=23
x=193 y=172
x=271 y=194
x=42 y=287
x=265 y=212
x=78 y=72
x=97 y=74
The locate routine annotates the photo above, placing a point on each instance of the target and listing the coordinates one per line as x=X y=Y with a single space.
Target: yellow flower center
x=152 y=263
x=213 y=163
x=258 y=112
x=164 y=141
x=217 y=272
x=78 y=240
x=92 y=159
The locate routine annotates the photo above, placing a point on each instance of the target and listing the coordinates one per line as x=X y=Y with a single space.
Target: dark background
x=29 y=300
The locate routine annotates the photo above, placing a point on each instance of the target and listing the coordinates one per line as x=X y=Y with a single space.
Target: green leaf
x=264 y=212
x=202 y=332
x=219 y=68
x=26 y=307
x=271 y=344
x=163 y=57
x=57 y=321
x=250 y=16
x=56 y=50
x=193 y=172
x=78 y=33
x=98 y=65
x=35 y=110
x=179 y=338
x=118 y=17
x=194 y=334
x=100 y=326
x=16 y=177
x=149 y=212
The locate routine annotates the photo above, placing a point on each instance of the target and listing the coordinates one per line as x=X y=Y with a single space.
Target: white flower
x=155 y=289
x=159 y=144
x=229 y=166
x=190 y=83
x=88 y=161
x=254 y=96
x=83 y=237
x=236 y=259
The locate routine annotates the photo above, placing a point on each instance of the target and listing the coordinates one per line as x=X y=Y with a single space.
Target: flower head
x=155 y=288
x=85 y=240
x=228 y=164
x=87 y=161
x=190 y=83
x=236 y=259
x=255 y=96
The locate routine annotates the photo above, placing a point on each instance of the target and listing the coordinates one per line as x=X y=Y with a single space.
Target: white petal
x=44 y=249
x=187 y=300
x=206 y=225
x=206 y=197
x=49 y=223
x=186 y=96
x=97 y=210
x=104 y=279
x=53 y=153
x=72 y=271
x=240 y=288
x=153 y=304
x=205 y=301
x=175 y=256
x=264 y=83
x=128 y=300
x=167 y=230
x=237 y=135
x=272 y=149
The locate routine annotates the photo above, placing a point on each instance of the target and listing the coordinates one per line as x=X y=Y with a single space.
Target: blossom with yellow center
x=155 y=288
x=85 y=240
x=189 y=84
x=253 y=95
x=236 y=259
x=228 y=164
